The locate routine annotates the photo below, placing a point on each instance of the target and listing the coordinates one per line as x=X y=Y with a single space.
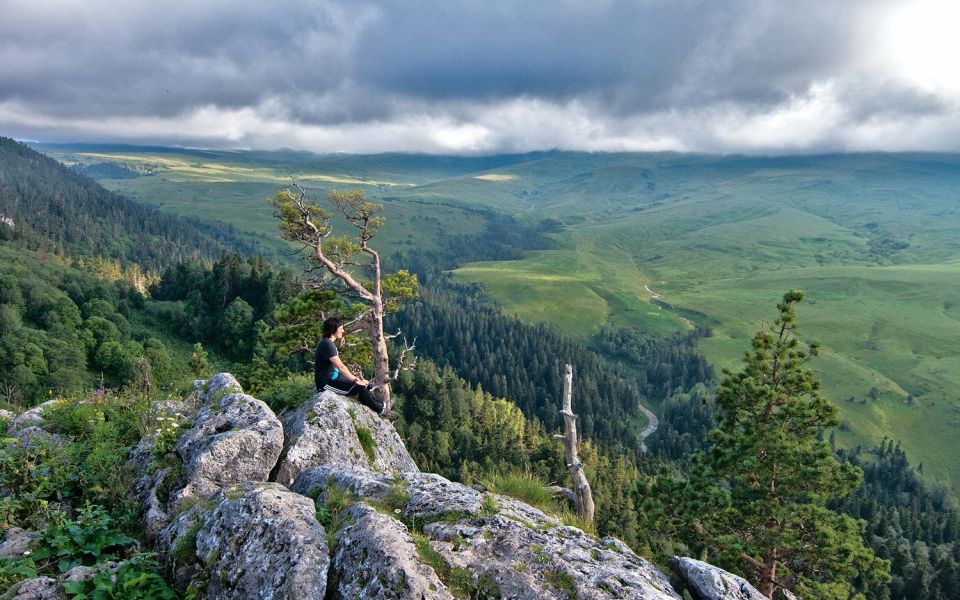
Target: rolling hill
x=661 y=242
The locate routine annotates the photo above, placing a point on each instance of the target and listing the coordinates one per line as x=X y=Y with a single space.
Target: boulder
x=708 y=582
x=7 y=415
x=235 y=438
x=328 y=429
x=149 y=477
x=376 y=557
x=356 y=480
x=477 y=544
x=17 y=542
x=35 y=435
x=30 y=418
x=263 y=541
x=38 y=588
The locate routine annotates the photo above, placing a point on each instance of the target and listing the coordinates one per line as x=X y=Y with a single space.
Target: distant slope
x=80 y=218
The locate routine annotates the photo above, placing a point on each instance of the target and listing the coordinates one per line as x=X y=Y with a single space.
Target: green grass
x=523 y=486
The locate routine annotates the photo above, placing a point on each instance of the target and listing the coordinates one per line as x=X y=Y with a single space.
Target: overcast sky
x=486 y=76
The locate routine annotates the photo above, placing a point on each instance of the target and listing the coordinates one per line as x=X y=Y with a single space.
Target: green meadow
x=662 y=242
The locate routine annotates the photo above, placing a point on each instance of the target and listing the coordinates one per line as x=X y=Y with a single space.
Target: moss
x=212 y=559
x=369 y=445
x=234 y=492
x=185 y=548
x=520 y=567
x=563 y=582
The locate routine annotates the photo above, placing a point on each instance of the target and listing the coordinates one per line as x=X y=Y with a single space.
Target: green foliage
x=762 y=487
x=563 y=582
x=289 y=393
x=87 y=541
x=137 y=579
x=199 y=361
x=14 y=569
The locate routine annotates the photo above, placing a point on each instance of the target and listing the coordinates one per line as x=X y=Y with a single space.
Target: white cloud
x=485 y=77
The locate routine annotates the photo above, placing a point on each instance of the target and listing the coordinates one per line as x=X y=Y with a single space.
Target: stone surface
x=177 y=545
x=376 y=557
x=489 y=545
x=17 y=542
x=39 y=588
x=35 y=435
x=235 y=438
x=713 y=583
x=324 y=430
x=30 y=418
x=357 y=480
x=149 y=476
x=7 y=415
x=263 y=541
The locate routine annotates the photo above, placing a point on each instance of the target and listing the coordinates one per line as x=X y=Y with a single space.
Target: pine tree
x=771 y=474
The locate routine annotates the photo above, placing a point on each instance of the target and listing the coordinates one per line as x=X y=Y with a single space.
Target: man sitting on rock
x=330 y=374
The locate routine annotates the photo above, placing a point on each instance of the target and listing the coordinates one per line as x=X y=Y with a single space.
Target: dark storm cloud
x=439 y=74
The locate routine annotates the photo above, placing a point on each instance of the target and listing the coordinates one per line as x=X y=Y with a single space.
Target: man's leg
x=368 y=399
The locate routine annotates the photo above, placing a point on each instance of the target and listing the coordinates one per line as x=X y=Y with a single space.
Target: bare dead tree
x=332 y=262
x=581 y=492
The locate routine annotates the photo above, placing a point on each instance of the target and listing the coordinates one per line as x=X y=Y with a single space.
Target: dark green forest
x=483 y=400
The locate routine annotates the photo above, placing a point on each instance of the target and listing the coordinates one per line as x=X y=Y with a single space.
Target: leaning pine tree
x=348 y=266
x=769 y=474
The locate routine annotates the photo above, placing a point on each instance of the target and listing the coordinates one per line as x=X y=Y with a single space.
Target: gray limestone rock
x=235 y=438
x=376 y=557
x=357 y=480
x=39 y=588
x=327 y=429
x=30 y=418
x=263 y=541
x=17 y=542
x=713 y=583
x=149 y=475
x=35 y=435
x=485 y=545
x=177 y=544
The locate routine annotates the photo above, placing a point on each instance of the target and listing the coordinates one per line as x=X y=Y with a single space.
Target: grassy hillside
x=660 y=241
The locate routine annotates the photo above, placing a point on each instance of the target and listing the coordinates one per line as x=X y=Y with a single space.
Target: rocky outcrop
x=376 y=557
x=30 y=418
x=39 y=588
x=235 y=438
x=476 y=544
x=256 y=540
x=7 y=416
x=332 y=429
x=393 y=531
x=708 y=582
x=17 y=542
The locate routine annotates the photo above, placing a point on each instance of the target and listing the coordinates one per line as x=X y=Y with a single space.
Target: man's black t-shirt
x=323 y=369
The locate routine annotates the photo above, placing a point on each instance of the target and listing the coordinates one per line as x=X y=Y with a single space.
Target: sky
x=485 y=76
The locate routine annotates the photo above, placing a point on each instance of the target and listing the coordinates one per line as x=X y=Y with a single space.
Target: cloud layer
x=485 y=76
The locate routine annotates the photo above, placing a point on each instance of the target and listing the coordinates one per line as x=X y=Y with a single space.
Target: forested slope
x=54 y=207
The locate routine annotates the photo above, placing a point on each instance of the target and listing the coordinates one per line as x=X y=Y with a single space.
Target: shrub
x=288 y=394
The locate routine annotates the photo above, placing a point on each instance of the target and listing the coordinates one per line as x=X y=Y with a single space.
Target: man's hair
x=331 y=325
